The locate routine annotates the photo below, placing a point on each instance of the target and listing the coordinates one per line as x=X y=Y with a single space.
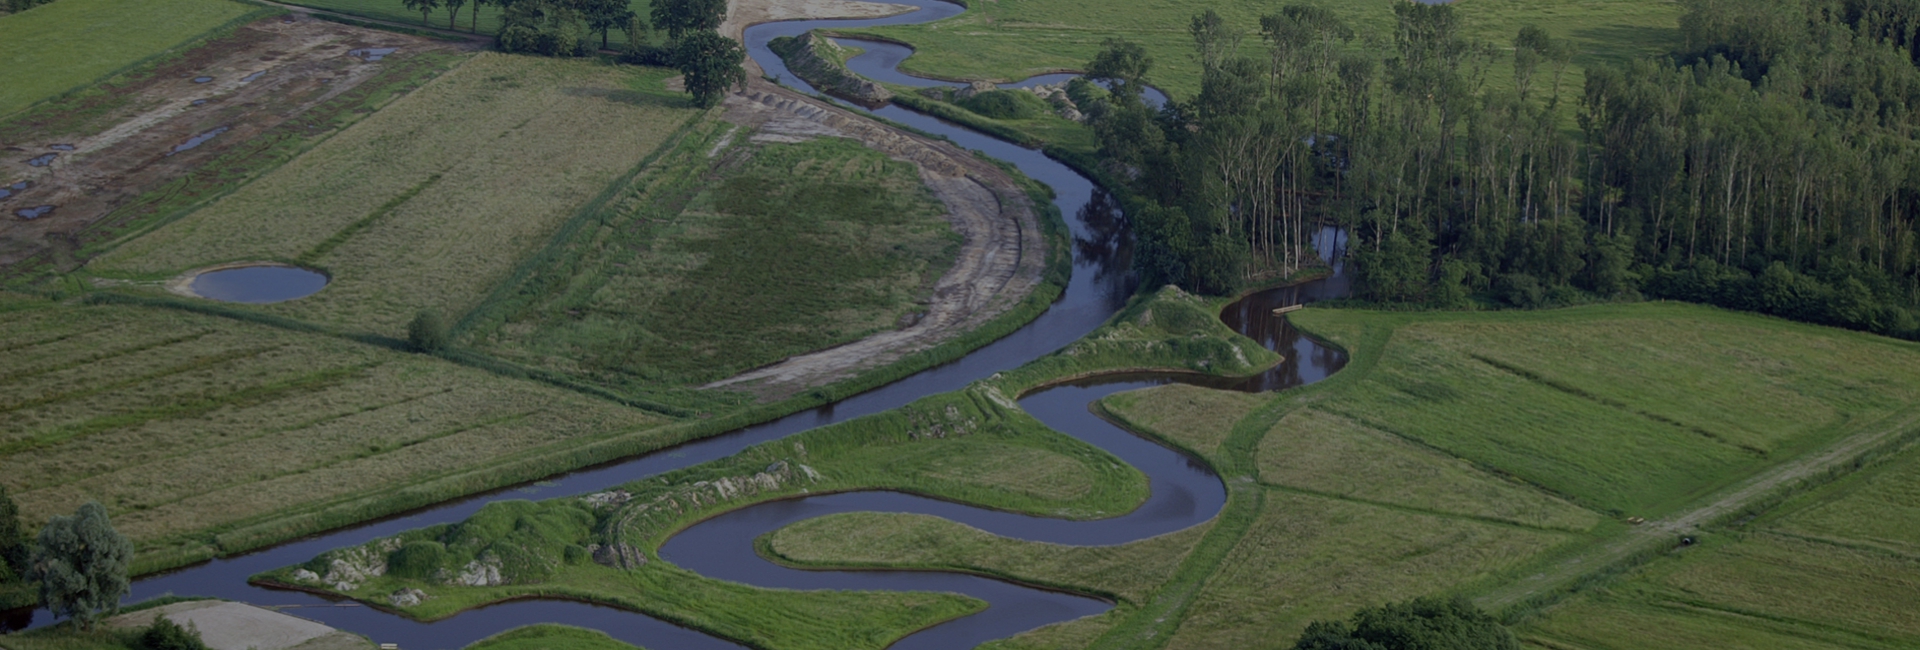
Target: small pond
x=260 y=284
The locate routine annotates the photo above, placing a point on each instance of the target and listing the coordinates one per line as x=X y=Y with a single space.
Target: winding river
x=1184 y=491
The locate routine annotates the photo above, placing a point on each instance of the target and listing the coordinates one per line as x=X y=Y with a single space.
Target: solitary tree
x=711 y=63
x=425 y=7
x=81 y=565
x=682 y=17
x=427 y=333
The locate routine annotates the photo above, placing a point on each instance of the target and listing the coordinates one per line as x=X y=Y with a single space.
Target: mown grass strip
x=320 y=250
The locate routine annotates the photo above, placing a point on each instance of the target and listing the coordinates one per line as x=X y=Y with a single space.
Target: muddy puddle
x=251 y=77
x=34 y=212
x=42 y=160
x=61 y=147
x=373 y=53
x=197 y=140
x=267 y=283
x=201 y=80
x=16 y=188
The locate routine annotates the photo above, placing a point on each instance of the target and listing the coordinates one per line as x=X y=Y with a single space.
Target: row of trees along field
x=710 y=62
x=1768 y=166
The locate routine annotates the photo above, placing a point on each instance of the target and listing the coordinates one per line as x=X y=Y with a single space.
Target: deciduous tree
x=81 y=563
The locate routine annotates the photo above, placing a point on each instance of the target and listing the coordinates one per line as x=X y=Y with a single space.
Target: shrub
x=1418 y=624
x=427 y=333
x=1006 y=105
x=165 y=634
x=417 y=559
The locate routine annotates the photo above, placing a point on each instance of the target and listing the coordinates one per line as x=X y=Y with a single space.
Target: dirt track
x=265 y=79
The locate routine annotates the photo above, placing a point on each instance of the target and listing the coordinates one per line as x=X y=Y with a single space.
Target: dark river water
x=1184 y=491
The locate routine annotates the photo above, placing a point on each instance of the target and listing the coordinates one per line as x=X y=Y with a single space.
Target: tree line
x=1764 y=166
x=710 y=62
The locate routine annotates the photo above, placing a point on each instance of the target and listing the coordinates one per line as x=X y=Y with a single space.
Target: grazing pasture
x=204 y=434
x=1306 y=558
x=716 y=260
x=64 y=46
x=1014 y=39
x=1628 y=410
x=430 y=202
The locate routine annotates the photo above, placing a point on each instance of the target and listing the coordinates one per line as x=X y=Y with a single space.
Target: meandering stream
x=1184 y=491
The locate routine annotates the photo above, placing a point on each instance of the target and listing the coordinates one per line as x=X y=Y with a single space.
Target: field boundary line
x=1483 y=519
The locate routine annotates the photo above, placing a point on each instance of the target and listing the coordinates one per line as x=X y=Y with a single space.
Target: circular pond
x=258 y=284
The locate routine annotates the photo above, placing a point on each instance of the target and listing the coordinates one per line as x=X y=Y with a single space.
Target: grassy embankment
x=1459 y=451
x=550 y=637
x=973 y=445
x=205 y=435
x=1015 y=39
x=68 y=46
x=428 y=203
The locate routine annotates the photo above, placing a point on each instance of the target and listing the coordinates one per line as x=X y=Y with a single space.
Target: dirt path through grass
x=1668 y=530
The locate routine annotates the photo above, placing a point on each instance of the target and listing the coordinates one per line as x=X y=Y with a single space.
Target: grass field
x=1318 y=452
x=1197 y=419
x=1630 y=410
x=1308 y=558
x=489 y=22
x=58 y=47
x=205 y=434
x=550 y=637
x=1751 y=590
x=429 y=203
x=1128 y=572
x=1014 y=39
x=712 y=264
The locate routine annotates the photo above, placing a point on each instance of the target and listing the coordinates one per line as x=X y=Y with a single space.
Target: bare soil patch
x=120 y=154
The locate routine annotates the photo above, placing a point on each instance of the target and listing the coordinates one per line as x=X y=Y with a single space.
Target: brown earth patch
x=277 y=78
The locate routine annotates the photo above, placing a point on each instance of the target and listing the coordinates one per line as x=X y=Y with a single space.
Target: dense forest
x=1766 y=166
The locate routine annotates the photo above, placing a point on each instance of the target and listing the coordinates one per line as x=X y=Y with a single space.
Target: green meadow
x=1009 y=40
x=66 y=46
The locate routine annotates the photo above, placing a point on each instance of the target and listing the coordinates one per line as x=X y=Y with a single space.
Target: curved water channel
x=1184 y=491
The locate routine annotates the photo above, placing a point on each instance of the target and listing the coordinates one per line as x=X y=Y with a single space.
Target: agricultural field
x=1015 y=39
x=203 y=434
x=726 y=256
x=57 y=48
x=165 y=137
x=406 y=214
x=474 y=19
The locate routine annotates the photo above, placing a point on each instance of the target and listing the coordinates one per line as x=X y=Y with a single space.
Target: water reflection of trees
x=1107 y=247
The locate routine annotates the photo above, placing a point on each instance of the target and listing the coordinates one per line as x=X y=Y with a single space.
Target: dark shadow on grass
x=633 y=97
x=1626 y=42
